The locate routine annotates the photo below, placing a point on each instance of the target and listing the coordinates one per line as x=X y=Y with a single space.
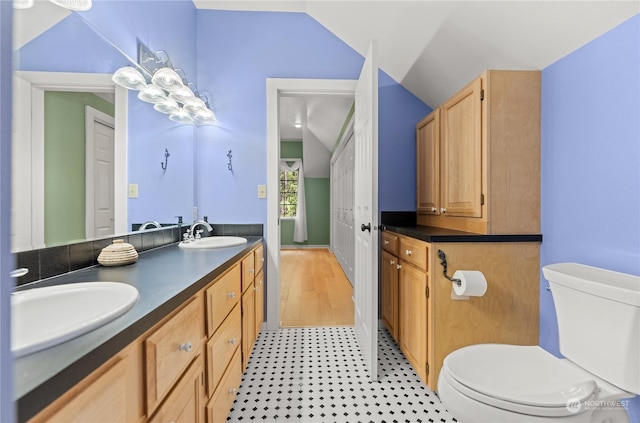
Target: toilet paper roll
x=472 y=284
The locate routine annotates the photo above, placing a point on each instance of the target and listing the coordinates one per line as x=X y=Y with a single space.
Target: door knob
x=366 y=227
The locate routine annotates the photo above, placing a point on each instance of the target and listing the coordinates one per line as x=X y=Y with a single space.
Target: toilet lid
x=526 y=375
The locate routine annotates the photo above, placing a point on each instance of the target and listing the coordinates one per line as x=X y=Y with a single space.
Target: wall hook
x=166 y=159
x=443 y=262
x=229 y=166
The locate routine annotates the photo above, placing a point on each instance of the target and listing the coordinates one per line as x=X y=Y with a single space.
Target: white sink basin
x=48 y=316
x=214 y=242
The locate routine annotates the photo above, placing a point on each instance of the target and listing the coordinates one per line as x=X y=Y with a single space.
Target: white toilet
x=599 y=330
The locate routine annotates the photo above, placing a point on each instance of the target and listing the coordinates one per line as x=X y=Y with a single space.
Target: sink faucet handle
x=198 y=232
x=187 y=235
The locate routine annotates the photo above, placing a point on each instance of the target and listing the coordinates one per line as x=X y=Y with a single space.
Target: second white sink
x=214 y=242
x=48 y=316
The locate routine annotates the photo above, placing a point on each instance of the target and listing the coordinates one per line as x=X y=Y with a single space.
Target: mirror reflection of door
x=99 y=173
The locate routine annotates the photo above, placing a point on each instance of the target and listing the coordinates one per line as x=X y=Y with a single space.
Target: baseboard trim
x=297 y=247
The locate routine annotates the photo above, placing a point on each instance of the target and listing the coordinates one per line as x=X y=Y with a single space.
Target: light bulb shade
x=193 y=105
x=167 y=79
x=80 y=5
x=167 y=106
x=204 y=117
x=22 y=4
x=181 y=116
x=151 y=94
x=129 y=78
x=181 y=95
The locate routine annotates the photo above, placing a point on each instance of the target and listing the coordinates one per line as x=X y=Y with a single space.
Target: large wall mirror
x=87 y=154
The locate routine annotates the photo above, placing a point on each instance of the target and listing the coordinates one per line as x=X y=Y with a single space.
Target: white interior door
x=366 y=211
x=100 y=174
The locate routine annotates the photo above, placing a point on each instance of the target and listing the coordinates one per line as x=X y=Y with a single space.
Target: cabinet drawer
x=414 y=251
x=185 y=404
x=259 y=258
x=248 y=271
x=222 y=297
x=390 y=242
x=221 y=347
x=220 y=404
x=171 y=348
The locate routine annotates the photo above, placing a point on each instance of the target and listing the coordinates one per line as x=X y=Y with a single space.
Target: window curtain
x=300 y=225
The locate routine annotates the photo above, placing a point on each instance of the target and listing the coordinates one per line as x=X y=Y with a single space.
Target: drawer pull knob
x=407 y=252
x=252 y=271
x=443 y=210
x=233 y=391
x=187 y=346
x=231 y=295
x=391 y=262
x=262 y=259
x=386 y=242
x=398 y=267
x=233 y=341
x=433 y=209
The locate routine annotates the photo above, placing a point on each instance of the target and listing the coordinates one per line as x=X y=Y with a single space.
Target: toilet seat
x=522 y=379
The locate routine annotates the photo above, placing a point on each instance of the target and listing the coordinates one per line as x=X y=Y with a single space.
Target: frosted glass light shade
x=129 y=78
x=193 y=105
x=181 y=116
x=181 y=95
x=80 y=5
x=204 y=117
x=151 y=94
x=166 y=106
x=167 y=79
x=22 y=4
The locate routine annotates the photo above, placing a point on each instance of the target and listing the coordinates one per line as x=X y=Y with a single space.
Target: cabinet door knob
x=233 y=341
x=443 y=210
x=407 y=252
x=233 y=391
x=231 y=295
x=187 y=346
x=433 y=209
x=386 y=242
x=391 y=262
x=398 y=267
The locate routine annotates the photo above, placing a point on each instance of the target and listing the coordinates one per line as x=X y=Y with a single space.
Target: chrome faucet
x=145 y=225
x=196 y=224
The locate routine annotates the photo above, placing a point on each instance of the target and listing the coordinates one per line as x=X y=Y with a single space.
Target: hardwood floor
x=314 y=290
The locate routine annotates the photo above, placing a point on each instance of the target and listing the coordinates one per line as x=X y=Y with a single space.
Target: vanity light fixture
x=79 y=5
x=168 y=89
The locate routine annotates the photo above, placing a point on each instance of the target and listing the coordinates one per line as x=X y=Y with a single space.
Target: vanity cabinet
x=478 y=157
x=171 y=349
x=185 y=368
x=102 y=396
x=428 y=324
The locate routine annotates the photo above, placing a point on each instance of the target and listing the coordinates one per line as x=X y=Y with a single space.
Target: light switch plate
x=133 y=190
x=262 y=191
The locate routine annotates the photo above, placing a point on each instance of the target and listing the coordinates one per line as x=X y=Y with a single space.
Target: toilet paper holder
x=443 y=262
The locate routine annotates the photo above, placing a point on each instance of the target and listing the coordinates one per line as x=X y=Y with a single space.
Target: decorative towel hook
x=166 y=159
x=229 y=164
x=443 y=262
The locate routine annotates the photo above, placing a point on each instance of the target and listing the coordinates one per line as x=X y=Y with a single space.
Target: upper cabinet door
x=428 y=164
x=462 y=152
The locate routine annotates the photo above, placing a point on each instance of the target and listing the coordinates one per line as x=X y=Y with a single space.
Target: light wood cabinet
x=170 y=350
x=185 y=403
x=429 y=324
x=248 y=270
x=186 y=368
x=101 y=398
x=389 y=292
x=478 y=157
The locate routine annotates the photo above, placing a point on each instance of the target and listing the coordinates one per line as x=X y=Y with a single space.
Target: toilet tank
x=598 y=321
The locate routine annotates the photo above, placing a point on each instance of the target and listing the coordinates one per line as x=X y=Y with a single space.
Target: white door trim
x=76 y=82
x=275 y=88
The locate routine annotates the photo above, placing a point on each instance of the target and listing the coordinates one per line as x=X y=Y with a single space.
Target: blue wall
x=591 y=163
x=237 y=52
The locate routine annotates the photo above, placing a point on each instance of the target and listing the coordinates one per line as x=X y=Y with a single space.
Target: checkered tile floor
x=316 y=375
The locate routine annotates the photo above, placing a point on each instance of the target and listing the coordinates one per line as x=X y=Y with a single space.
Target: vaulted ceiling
x=434 y=48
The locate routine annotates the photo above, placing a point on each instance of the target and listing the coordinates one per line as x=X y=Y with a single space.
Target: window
x=288 y=193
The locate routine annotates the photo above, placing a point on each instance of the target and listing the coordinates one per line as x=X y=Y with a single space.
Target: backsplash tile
x=53 y=261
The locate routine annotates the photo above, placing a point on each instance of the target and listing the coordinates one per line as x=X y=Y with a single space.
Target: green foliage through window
x=288 y=193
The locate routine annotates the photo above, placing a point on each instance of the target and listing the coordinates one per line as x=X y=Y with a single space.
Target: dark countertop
x=431 y=234
x=165 y=278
